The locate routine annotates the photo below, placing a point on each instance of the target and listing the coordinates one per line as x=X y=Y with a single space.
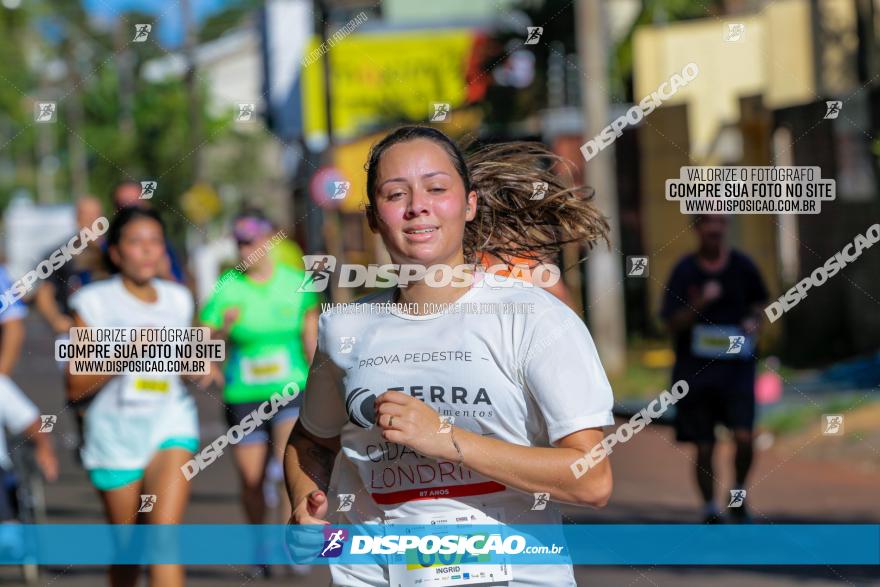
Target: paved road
x=652 y=485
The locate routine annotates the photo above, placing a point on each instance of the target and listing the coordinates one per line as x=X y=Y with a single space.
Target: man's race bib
x=724 y=342
x=449 y=569
x=267 y=369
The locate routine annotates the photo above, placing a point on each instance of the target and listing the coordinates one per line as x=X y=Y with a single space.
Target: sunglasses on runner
x=247 y=230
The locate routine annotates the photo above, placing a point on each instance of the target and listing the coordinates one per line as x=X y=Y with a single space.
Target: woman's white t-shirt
x=525 y=378
x=134 y=412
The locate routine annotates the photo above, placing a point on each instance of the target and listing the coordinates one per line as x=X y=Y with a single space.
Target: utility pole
x=47 y=161
x=604 y=265
x=79 y=165
x=332 y=221
x=192 y=89
x=125 y=74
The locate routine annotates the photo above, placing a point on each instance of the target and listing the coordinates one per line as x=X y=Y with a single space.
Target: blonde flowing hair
x=508 y=222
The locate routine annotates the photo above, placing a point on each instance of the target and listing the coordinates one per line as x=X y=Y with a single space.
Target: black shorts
x=236 y=412
x=704 y=406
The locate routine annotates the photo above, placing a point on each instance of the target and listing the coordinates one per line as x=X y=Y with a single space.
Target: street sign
x=329 y=188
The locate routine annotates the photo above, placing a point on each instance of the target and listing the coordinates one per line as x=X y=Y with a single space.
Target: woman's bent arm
x=308 y=462
x=540 y=470
x=82 y=386
x=408 y=421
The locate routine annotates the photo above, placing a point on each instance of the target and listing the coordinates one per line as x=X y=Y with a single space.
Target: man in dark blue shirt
x=712 y=307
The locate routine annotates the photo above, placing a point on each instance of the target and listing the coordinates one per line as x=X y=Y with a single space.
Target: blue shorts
x=262 y=434
x=110 y=479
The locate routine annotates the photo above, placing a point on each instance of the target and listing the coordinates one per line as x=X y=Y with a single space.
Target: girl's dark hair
x=508 y=222
x=122 y=218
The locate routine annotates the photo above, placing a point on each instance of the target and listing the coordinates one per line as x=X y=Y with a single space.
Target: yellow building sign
x=378 y=78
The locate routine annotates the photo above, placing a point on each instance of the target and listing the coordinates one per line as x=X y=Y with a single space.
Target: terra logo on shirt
x=360 y=402
x=361 y=407
x=440 y=394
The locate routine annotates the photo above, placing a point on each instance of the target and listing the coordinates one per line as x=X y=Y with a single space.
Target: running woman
x=140 y=428
x=270 y=331
x=527 y=392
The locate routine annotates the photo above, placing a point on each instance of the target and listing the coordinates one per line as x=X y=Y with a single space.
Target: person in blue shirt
x=712 y=307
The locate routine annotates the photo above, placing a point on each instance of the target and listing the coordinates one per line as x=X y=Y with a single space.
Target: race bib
x=146 y=388
x=449 y=569
x=146 y=385
x=267 y=369
x=724 y=342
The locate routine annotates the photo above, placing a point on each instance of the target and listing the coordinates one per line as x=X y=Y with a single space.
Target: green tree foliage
x=132 y=128
x=218 y=24
x=16 y=129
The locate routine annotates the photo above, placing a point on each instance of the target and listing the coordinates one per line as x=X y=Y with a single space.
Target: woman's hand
x=213 y=376
x=44 y=453
x=410 y=422
x=62 y=324
x=304 y=536
x=312 y=509
x=47 y=461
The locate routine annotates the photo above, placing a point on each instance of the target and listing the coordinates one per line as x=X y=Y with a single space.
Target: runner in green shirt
x=270 y=330
x=288 y=253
